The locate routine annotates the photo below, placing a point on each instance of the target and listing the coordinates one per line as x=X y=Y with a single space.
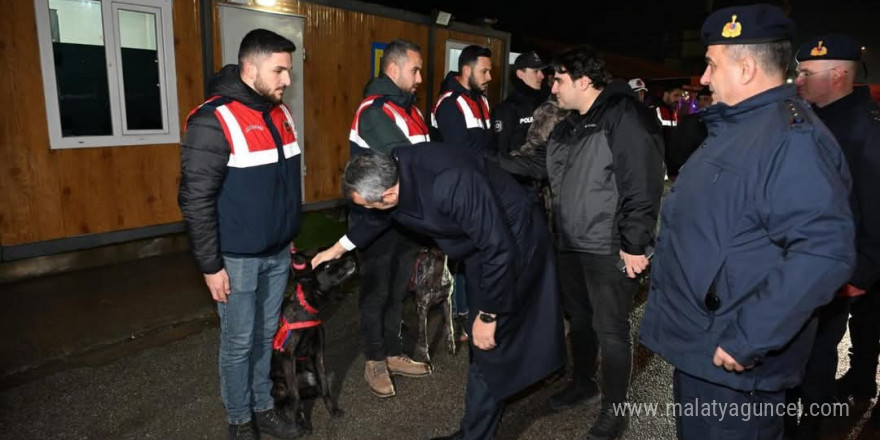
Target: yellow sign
x=378 y=50
x=819 y=50
x=731 y=29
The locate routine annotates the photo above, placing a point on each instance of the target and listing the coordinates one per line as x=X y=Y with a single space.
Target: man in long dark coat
x=478 y=213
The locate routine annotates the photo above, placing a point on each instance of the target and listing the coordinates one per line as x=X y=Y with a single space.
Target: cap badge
x=819 y=50
x=731 y=29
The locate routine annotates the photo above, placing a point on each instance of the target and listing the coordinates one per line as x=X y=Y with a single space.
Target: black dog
x=432 y=283
x=298 y=369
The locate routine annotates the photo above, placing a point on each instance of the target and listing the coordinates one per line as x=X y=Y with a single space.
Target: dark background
x=660 y=31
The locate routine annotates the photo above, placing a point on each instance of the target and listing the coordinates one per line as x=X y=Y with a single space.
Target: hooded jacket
x=386 y=119
x=462 y=116
x=240 y=190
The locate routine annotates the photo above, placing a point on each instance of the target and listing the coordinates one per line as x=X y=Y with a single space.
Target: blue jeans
x=459 y=293
x=248 y=322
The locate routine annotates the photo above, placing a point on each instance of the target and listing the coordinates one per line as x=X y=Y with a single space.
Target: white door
x=237 y=21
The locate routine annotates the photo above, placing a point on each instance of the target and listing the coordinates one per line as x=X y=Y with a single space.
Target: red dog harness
x=286 y=327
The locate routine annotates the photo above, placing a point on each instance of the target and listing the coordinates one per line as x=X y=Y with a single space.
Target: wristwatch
x=487 y=317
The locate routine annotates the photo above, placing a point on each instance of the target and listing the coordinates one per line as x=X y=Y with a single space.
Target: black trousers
x=385 y=268
x=819 y=376
x=864 y=332
x=700 y=416
x=599 y=299
x=481 y=411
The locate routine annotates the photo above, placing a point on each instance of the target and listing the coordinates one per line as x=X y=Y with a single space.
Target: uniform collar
x=726 y=113
x=858 y=97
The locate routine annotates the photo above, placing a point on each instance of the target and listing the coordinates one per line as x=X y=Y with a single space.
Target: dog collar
x=301 y=297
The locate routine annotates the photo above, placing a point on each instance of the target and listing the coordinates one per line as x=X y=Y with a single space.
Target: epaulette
x=794 y=113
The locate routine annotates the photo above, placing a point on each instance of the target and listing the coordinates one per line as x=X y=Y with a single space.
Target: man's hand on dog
x=483 y=335
x=218 y=284
x=333 y=253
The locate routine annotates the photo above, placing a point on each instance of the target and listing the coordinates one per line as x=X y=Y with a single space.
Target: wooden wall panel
x=441 y=35
x=30 y=205
x=48 y=194
x=337 y=66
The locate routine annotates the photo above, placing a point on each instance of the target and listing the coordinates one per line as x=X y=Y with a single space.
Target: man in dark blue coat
x=756 y=234
x=478 y=213
x=827 y=68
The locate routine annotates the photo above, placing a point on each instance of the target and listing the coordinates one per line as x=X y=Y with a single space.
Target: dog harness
x=286 y=327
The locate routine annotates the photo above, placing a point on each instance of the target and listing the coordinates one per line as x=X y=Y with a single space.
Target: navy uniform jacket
x=478 y=213
x=855 y=122
x=757 y=227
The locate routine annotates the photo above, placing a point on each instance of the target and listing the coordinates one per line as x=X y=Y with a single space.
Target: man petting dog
x=477 y=213
x=240 y=198
x=387 y=118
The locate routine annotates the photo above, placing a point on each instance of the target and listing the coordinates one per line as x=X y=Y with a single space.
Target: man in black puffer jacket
x=240 y=196
x=605 y=164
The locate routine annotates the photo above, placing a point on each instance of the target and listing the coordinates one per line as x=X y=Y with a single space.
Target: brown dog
x=432 y=283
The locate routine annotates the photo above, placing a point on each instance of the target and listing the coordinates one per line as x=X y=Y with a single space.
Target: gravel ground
x=171 y=392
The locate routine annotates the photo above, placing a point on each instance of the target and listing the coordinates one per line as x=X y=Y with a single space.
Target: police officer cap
x=830 y=47
x=752 y=24
x=529 y=60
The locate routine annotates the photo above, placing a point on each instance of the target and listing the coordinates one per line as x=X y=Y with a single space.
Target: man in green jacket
x=386 y=119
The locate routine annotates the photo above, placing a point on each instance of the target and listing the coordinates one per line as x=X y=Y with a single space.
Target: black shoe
x=572 y=396
x=456 y=436
x=608 y=426
x=244 y=431
x=272 y=423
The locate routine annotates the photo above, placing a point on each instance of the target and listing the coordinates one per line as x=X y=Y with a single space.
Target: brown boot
x=376 y=373
x=405 y=366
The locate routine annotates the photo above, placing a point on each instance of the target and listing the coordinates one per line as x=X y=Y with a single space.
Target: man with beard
x=827 y=68
x=240 y=199
x=387 y=118
x=461 y=114
x=756 y=233
x=512 y=118
x=478 y=213
x=462 y=110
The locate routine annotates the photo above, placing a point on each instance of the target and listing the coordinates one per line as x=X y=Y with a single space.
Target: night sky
x=649 y=29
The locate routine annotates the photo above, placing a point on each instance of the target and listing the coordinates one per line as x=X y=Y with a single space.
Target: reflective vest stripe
x=353 y=135
x=468 y=108
x=291 y=148
x=471 y=118
x=665 y=122
x=245 y=155
x=400 y=119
